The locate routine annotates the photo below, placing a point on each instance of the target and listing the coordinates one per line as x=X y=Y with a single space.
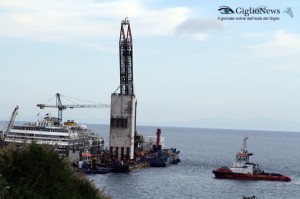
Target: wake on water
x=296 y=181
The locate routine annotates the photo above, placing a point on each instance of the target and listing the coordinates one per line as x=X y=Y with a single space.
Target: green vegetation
x=37 y=172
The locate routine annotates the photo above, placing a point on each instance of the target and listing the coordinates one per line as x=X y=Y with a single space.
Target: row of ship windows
x=36 y=135
x=42 y=136
x=51 y=139
x=40 y=129
x=40 y=140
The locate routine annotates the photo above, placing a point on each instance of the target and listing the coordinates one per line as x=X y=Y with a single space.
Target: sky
x=191 y=68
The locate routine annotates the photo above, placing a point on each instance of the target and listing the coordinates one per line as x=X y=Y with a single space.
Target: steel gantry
x=126 y=62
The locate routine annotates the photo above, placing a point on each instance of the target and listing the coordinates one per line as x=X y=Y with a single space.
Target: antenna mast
x=244 y=149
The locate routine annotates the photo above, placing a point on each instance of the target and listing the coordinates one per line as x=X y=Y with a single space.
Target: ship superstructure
x=50 y=131
x=242 y=164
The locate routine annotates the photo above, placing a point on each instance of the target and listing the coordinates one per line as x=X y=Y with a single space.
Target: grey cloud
x=193 y=26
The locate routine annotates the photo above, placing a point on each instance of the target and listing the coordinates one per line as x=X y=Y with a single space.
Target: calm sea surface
x=202 y=150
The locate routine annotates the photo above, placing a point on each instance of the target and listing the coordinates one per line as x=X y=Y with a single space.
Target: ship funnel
x=158 y=132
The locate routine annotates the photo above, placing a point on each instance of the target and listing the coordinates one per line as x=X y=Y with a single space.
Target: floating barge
x=90 y=165
x=108 y=163
x=113 y=167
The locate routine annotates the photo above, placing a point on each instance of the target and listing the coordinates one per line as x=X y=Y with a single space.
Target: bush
x=38 y=172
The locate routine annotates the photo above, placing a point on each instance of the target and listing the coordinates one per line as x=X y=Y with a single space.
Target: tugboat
x=242 y=169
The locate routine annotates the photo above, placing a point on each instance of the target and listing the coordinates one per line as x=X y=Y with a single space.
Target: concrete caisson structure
x=122 y=126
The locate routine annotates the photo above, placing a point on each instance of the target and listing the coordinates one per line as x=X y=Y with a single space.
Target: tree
x=37 y=171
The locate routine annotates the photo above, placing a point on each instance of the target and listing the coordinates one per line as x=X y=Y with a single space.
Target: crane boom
x=62 y=107
x=88 y=106
x=42 y=106
x=11 y=122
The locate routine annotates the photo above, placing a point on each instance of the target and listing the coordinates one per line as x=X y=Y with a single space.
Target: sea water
x=201 y=151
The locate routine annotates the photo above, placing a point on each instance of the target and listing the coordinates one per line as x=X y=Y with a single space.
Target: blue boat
x=162 y=158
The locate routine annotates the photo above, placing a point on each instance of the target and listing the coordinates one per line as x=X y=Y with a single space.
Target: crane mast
x=59 y=106
x=126 y=62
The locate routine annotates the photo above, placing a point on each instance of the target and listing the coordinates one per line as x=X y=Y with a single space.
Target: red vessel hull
x=228 y=174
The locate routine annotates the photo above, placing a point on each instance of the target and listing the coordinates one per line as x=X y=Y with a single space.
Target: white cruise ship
x=67 y=135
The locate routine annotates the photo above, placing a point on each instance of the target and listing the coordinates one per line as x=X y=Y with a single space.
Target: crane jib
x=62 y=107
